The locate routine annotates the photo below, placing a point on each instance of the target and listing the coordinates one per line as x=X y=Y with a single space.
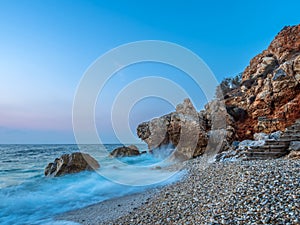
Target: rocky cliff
x=267 y=100
x=269 y=94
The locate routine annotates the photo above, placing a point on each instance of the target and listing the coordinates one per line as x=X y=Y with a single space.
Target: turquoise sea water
x=28 y=197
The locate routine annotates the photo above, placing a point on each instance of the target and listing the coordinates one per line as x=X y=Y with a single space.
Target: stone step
x=271 y=147
x=289 y=138
x=266 y=154
x=277 y=142
x=292 y=131
x=294 y=126
x=295 y=133
x=284 y=149
x=290 y=135
x=259 y=158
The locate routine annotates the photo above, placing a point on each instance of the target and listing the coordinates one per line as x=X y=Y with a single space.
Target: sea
x=28 y=197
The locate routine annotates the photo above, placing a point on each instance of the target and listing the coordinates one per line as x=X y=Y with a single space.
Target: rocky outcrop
x=191 y=133
x=267 y=100
x=270 y=90
x=71 y=163
x=124 y=151
x=183 y=129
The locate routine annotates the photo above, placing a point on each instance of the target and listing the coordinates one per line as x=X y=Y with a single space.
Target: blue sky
x=46 y=46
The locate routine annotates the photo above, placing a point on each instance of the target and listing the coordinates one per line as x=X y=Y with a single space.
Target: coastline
x=241 y=192
x=108 y=210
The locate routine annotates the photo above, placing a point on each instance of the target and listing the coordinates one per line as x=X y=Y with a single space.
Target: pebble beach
x=241 y=192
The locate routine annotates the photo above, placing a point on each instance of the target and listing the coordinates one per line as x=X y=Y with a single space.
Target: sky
x=47 y=46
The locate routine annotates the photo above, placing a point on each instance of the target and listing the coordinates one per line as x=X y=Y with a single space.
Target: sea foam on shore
x=28 y=197
x=252 y=192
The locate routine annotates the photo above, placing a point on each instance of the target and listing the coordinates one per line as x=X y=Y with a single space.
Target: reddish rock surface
x=270 y=90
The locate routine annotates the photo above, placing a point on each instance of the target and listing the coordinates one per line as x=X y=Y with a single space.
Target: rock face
x=183 y=129
x=71 y=163
x=131 y=150
x=267 y=100
x=270 y=91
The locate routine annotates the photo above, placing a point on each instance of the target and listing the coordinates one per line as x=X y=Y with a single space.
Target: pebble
x=249 y=192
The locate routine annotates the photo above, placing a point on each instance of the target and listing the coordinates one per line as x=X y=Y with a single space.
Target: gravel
x=241 y=192
x=253 y=192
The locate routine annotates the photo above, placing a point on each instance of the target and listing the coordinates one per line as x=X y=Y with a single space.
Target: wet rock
x=71 y=163
x=124 y=151
x=183 y=129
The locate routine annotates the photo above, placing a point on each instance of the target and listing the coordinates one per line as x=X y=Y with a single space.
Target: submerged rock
x=71 y=163
x=124 y=151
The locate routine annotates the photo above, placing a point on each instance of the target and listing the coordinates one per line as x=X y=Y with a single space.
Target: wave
x=37 y=199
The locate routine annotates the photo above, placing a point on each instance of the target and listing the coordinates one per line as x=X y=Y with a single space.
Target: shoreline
x=117 y=207
x=107 y=210
x=241 y=192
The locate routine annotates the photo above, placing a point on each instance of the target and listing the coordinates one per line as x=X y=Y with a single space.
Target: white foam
x=41 y=198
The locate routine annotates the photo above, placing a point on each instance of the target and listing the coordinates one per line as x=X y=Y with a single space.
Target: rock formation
x=71 y=163
x=270 y=90
x=267 y=100
x=183 y=129
x=124 y=151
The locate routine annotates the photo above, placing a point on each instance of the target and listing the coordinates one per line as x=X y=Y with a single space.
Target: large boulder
x=191 y=133
x=124 y=151
x=182 y=129
x=71 y=163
